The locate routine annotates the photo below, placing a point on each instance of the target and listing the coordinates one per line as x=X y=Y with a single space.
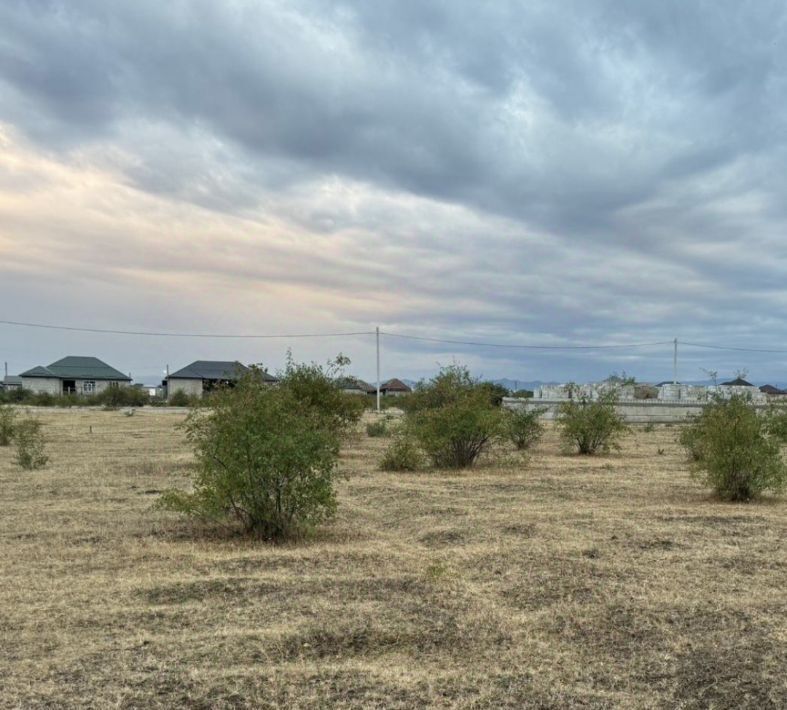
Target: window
x=89 y=386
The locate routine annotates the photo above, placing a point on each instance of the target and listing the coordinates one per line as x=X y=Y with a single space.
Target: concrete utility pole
x=675 y=363
x=377 y=336
x=6 y=369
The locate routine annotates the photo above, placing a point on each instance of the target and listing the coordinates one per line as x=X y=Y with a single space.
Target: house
x=737 y=382
x=772 y=391
x=11 y=382
x=395 y=388
x=205 y=375
x=352 y=385
x=73 y=375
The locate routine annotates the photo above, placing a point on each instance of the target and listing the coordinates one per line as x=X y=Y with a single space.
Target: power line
x=729 y=347
x=401 y=336
x=156 y=334
x=525 y=347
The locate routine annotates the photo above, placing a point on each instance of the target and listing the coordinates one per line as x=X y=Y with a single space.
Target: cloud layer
x=548 y=173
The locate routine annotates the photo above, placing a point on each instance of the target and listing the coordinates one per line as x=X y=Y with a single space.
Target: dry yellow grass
x=595 y=582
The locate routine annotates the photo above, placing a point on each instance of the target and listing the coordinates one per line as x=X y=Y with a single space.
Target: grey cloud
x=593 y=151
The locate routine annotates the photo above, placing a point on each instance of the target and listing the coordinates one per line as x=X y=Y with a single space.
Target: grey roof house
x=202 y=376
x=353 y=385
x=73 y=375
x=11 y=382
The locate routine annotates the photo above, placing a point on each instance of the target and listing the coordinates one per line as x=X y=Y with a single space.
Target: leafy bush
x=402 y=454
x=266 y=456
x=733 y=451
x=524 y=428
x=776 y=422
x=122 y=397
x=30 y=444
x=589 y=426
x=315 y=387
x=453 y=418
x=377 y=428
x=180 y=399
x=15 y=395
x=495 y=392
x=7 y=422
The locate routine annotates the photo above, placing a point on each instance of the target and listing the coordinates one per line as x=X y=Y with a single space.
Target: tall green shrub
x=266 y=455
x=30 y=444
x=589 y=426
x=733 y=450
x=453 y=418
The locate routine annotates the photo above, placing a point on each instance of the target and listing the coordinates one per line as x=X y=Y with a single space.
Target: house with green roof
x=202 y=376
x=73 y=375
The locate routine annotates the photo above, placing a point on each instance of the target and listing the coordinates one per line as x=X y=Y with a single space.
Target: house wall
x=101 y=385
x=193 y=388
x=42 y=385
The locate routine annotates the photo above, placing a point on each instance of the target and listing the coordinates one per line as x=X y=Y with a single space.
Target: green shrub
x=776 y=422
x=524 y=428
x=733 y=452
x=589 y=426
x=7 y=422
x=122 y=397
x=453 y=418
x=180 y=399
x=315 y=387
x=377 y=428
x=30 y=444
x=266 y=456
x=402 y=454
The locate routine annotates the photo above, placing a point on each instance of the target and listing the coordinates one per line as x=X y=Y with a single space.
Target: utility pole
x=675 y=363
x=377 y=336
x=6 y=370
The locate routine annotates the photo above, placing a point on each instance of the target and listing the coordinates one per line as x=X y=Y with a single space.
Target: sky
x=519 y=173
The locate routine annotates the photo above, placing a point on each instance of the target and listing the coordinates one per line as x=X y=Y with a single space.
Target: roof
x=353 y=383
x=737 y=382
x=214 y=370
x=667 y=382
x=395 y=385
x=78 y=367
x=12 y=380
x=770 y=389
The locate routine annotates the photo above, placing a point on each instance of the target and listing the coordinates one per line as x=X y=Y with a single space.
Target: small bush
x=402 y=454
x=589 y=426
x=378 y=428
x=776 y=422
x=30 y=444
x=524 y=427
x=122 y=397
x=180 y=399
x=7 y=425
x=733 y=452
x=266 y=456
x=453 y=418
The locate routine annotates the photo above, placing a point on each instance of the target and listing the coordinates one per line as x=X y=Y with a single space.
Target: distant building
x=202 y=376
x=73 y=375
x=771 y=391
x=394 y=387
x=353 y=385
x=11 y=382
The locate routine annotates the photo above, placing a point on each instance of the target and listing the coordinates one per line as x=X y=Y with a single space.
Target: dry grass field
x=555 y=581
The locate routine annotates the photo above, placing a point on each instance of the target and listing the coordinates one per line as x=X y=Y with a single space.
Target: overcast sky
x=548 y=172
